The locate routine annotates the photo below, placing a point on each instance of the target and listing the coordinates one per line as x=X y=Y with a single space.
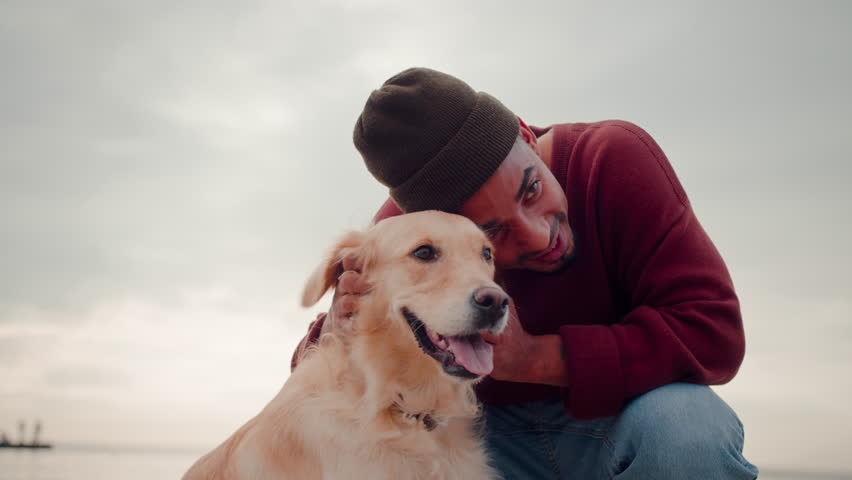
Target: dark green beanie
x=432 y=139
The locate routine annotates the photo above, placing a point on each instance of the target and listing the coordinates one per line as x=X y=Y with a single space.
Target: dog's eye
x=425 y=253
x=486 y=254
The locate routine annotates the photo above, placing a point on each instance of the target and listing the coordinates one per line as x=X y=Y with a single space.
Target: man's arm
x=685 y=322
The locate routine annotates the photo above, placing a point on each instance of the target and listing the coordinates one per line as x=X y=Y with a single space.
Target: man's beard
x=566 y=260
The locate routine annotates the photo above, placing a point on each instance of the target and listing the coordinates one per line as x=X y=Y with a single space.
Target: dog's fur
x=367 y=402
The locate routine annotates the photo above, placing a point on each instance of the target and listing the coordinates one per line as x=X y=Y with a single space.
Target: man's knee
x=680 y=426
x=684 y=412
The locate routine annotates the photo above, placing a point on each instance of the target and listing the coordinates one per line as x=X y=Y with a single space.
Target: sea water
x=95 y=463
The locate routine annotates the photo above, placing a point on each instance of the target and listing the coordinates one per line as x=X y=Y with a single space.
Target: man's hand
x=521 y=357
x=512 y=349
x=350 y=286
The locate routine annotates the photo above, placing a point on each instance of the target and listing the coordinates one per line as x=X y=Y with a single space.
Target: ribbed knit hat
x=432 y=139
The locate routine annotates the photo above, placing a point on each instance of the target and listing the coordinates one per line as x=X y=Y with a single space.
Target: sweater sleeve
x=682 y=319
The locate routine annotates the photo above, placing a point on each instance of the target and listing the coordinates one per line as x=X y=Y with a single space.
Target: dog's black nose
x=491 y=303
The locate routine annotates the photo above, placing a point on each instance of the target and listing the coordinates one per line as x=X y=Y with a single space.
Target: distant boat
x=25 y=445
x=35 y=443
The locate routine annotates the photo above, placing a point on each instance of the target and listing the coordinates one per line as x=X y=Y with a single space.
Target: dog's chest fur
x=349 y=431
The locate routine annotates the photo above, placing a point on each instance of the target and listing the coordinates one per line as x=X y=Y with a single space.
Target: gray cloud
x=85 y=376
x=19 y=351
x=127 y=155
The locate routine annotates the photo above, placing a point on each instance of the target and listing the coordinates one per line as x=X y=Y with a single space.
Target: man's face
x=523 y=210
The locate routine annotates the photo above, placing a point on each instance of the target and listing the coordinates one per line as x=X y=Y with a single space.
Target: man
x=623 y=310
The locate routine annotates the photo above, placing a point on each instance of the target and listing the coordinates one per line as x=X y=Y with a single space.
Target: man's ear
x=326 y=273
x=529 y=136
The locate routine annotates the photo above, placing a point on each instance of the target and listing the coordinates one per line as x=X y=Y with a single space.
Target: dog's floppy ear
x=325 y=275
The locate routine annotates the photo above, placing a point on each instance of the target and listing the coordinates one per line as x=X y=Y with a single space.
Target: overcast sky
x=170 y=172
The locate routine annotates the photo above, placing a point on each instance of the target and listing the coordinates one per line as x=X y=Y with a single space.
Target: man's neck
x=545 y=148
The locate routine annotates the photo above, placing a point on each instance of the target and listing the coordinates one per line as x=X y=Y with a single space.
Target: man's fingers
x=337 y=294
x=347 y=281
x=346 y=305
x=351 y=282
x=492 y=339
x=352 y=262
x=350 y=285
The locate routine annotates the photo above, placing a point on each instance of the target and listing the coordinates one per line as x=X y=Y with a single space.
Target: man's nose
x=533 y=235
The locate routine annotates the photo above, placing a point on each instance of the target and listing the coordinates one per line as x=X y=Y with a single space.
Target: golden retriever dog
x=389 y=394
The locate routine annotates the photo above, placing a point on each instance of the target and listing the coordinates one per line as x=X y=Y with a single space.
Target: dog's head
x=432 y=286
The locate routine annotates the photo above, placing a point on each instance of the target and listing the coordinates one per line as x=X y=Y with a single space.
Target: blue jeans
x=679 y=431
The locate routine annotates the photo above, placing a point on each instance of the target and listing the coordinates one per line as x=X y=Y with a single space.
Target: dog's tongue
x=473 y=353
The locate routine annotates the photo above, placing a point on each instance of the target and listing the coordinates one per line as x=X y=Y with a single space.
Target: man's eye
x=486 y=254
x=492 y=233
x=425 y=253
x=533 y=190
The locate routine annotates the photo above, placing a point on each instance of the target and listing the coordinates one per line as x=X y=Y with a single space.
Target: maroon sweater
x=648 y=300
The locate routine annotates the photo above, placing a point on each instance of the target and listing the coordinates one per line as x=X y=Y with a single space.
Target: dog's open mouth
x=466 y=356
